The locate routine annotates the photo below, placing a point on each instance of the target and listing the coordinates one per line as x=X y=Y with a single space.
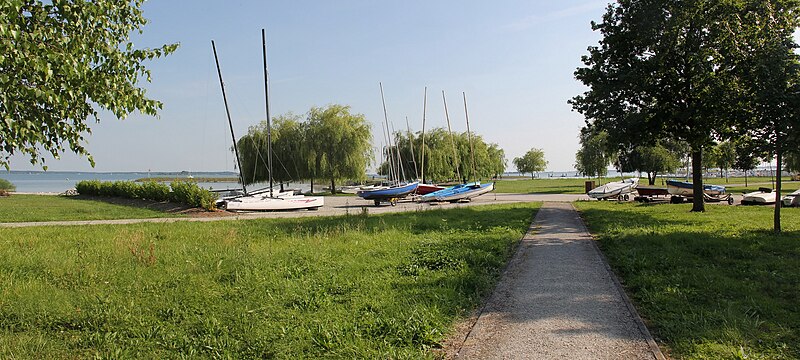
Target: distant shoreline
x=193 y=179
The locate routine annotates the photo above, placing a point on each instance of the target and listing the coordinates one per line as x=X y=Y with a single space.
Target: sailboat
x=460 y=192
x=263 y=200
x=398 y=190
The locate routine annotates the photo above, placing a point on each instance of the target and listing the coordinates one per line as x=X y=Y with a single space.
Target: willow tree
x=62 y=63
x=288 y=164
x=532 y=162
x=659 y=71
x=594 y=156
x=338 y=145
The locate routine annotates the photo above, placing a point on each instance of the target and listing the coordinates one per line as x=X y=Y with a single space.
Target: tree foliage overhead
x=532 y=162
x=61 y=63
x=651 y=159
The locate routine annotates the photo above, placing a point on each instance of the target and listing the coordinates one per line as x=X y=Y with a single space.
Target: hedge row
x=182 y=192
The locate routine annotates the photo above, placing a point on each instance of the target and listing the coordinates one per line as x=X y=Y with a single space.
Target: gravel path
x=558 y=299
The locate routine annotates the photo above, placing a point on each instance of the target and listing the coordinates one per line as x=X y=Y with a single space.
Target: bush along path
x=558 y=299
x=181 y=192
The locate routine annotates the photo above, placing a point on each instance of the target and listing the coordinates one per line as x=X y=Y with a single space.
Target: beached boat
x=390 y=194
x=683 y=188
x=267 y=200
x=792 y=199
x=424 y=189
x=615 y=189
x=764 y=196
x=462 y=192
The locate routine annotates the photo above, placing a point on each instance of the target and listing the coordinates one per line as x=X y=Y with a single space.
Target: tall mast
x=422 y=156
x=228 y=112
x=469 y=135
x=389 y=135
x=400 y=169
x=266 y=97
x=452 y=141
x=411 y=146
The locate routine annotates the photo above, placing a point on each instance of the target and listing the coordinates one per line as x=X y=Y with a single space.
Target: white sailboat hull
x=614 y=189
x=759 y=198
x=792 y=199
x=265 y=203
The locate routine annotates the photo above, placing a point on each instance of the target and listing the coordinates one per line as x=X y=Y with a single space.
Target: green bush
x=88 y=187
x=6 y=185
x=153 y=190
x=183 y=192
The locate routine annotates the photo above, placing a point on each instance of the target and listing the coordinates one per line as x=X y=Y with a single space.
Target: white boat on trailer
x=615 y=189
x=792 y=199
x=266 y=200
x=764 y=196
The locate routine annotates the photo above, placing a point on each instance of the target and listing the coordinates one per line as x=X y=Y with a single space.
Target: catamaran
x=266 y=200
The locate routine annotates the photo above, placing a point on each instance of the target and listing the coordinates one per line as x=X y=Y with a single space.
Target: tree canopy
x=440 y=162
x=677 y=69
x=61 y=63
x=594 y=156
x=532 y=162
x=651 y=159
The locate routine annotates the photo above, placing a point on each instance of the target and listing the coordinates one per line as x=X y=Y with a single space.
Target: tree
x=763 y=51
x=653 y=160
x=792 y=162
x=61 y=63
x=725 y=156
x=594 y=156
x=288 y=164
x=659 y=71
x=339 y=143
x=532 y=162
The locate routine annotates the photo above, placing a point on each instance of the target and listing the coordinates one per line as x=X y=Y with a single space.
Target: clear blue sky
x=514 y=59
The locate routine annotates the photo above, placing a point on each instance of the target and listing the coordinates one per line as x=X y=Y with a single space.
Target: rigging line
x=388 y=136
x=422 y=156
x=228 y=113
x=469 y=135
x=266 y=96
x=400 y=169
x=411 y=146
x=452 y=141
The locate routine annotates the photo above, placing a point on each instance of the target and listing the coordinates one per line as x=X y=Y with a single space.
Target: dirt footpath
x=558 y=299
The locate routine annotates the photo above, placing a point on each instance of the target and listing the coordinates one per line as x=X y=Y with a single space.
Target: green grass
x=710 y=285
x=29 y=208
x=361 y=286
x=546 y=185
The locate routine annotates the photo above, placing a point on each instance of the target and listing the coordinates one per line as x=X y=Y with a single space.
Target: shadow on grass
x=707 y=294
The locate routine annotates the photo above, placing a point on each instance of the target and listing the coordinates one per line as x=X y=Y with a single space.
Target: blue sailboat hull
x=389 y=193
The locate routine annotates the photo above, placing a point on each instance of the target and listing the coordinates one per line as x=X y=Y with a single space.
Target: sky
x=514 y=60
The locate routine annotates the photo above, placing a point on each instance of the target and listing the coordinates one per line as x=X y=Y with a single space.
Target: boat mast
x=411 y=146
x=228 y=112
x=422 y=156
x=452 y=141
x=388 y=137
x=400 y=169
x=469 y=135
x=266 y=97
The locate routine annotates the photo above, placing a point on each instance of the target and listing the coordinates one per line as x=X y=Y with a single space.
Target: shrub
x=153 y=190
x=88 y=187
x=183 y=192
x=6 y=185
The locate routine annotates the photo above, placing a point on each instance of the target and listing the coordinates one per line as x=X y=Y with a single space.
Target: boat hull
x=614 y=189
x=394 y=192
x=264 y=203
x=682 y=188
x=424 y=189
x=467 y=193
x=792 y=199
x=759 y=198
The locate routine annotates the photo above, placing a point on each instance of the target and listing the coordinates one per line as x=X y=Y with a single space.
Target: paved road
x=334 y=205
x=558 y=299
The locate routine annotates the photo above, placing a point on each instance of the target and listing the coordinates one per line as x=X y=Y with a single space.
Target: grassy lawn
x=29 y=208
x=710 y=285
x=576 y=186
x=360 y=286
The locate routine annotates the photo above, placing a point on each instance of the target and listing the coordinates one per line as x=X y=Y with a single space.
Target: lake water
x=60 y=181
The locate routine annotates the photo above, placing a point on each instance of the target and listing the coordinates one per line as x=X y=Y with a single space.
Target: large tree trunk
x=777 y=216
x=312 y=185
x=651 y=180
x=698 y=205
x=333 y=187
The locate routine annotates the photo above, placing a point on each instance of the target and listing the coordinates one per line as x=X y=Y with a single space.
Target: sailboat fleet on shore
x=270 y=200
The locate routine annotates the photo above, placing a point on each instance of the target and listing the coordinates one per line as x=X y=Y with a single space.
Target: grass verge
x=710 y=285
x=361 y=286
x=32 y=208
